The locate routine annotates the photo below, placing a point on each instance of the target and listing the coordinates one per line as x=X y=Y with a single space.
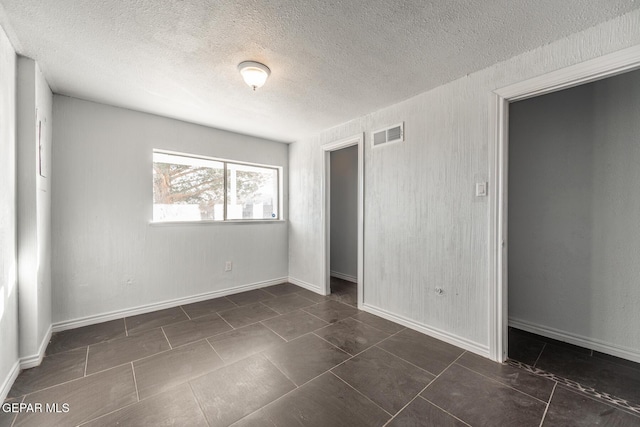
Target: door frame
x=595 y=69
x=358 y=140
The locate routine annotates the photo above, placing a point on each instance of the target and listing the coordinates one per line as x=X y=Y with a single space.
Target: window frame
x=279 y=185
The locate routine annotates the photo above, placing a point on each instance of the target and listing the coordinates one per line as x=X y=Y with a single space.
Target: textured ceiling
x=331 y=60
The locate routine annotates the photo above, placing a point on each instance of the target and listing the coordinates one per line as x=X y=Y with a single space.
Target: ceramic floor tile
x=87 y=398
x=325 y=401
x=534 y=385
x=243 y=342
x=194 y=330
x=351 y=336
x=305 y=358
x=86 y=335
x=174 y=407
x=288 y=303
x=282 y=289
x=616 y=360
x=378 y=322
x=421 y=413
x=247 y=314
x=394 y=384
x=312 y=295
x=155 y=319
x=331 y=311
x=250 y=297
x=614 y=379
x=292 y=325
x=480 y=401
x=165 y=370
x=53 y=370
x=210 y=306
x=571 y=409
x=421 y=350
x=7 y=413
x=344 y=291
x=232 y=392
x=524 y=347
x=112 y=353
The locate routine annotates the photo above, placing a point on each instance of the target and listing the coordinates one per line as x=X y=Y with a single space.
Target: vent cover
x=394 y=133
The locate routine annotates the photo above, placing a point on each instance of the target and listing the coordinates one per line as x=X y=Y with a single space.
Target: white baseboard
x=474 y=347
x=119 y=314
x=9 y=380
x=343 y=276
x=306 y=285
x=576 y=339
x=35 y=359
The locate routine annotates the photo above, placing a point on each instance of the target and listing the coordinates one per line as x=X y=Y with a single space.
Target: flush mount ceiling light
x=254 y=73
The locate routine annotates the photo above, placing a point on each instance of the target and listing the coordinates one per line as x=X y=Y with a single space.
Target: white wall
x=9 y=351
x=574 y=206
x=344 y=212
x=423 y=226
x=34 y=208
x=102 y=206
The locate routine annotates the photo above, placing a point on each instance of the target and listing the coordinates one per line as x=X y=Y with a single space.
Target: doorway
x=343 y=220
x=586 y=72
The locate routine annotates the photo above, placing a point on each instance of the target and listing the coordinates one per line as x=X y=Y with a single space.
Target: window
x=195 y=188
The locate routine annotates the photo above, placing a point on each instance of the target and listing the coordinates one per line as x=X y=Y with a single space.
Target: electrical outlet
x=228 y=266
x=439 y=291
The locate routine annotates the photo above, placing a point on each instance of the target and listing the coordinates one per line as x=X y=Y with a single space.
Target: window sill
x=211 y=222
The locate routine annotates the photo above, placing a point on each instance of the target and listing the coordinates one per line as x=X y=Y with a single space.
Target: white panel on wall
x=34 y=208
x=574 y=241
x=106 y=254
x=423 y=226
x=9 y=351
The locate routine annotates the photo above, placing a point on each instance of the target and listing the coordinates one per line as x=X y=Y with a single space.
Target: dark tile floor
x=592 y=370
x=283 y=356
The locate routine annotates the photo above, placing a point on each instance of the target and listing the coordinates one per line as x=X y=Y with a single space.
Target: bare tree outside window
x=193 y=189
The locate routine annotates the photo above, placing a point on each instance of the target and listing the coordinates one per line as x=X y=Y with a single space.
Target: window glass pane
x=252 y=192
x=187 y=188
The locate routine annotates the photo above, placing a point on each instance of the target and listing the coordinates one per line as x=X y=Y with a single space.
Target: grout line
x=311 y=314
x=425 y=387
x=332 y=344
x=214 y=350
x=185 y=313
x=361 y=394
x=135 y=382
x=587 y=392
x=548 y=403
x=538 y=358
x=264 y=354
x=501 y=383
x=193 y=393
x=442 y=372
x=165 y=337
x=236 y=305
x=371 y=326
x=444 y=410
x=86 y=362
x=404 y=360
x=225 y=321
x=288 y=393
x=285 y=340
x=126 y=330
x=16 y=415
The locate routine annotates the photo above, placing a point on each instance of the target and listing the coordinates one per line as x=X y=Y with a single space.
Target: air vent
x=391 y=134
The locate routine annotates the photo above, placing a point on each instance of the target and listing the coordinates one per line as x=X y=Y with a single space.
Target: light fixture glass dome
x=254 y=73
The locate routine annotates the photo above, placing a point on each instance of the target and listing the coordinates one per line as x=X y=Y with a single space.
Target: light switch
x=481 y=189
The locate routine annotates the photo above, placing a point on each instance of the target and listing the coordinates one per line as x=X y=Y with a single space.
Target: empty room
x=308 y=213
